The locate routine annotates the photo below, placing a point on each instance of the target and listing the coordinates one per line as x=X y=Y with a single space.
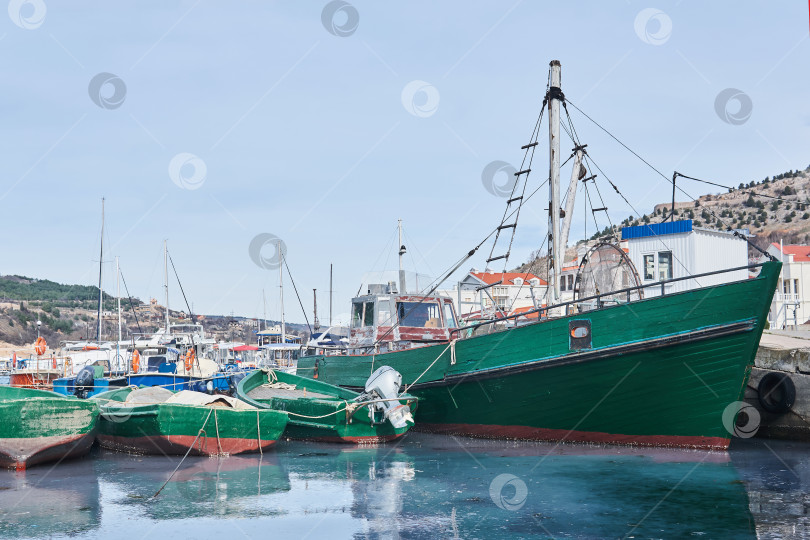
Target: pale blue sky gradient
x=305 y=136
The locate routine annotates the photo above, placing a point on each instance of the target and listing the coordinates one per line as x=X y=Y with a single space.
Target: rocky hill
x=771 y=209
x=69 y=312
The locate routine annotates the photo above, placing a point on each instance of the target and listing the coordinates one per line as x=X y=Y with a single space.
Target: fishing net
x=606 y=269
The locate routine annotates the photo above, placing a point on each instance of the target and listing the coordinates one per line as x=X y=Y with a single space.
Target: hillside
x=69 y=312
x=772 y=209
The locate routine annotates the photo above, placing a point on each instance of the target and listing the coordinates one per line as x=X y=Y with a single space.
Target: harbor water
x=424 y=486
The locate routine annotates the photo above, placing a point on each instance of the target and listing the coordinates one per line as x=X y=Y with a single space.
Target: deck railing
x=599 y=299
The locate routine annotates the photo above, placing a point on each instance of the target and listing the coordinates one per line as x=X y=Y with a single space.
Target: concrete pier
x=785 y=352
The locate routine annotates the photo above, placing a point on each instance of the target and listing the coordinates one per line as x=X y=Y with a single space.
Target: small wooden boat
x=37 y=426
x=155 y=420
x=323 y=412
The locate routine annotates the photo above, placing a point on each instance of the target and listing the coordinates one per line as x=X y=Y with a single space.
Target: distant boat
x=323 y=412
x=609 y=368
x=158 y=421
x=37 y=426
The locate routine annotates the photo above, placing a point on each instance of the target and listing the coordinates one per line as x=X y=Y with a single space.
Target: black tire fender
x=776 y=392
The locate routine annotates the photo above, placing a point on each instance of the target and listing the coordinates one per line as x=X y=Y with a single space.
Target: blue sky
x=306 y=135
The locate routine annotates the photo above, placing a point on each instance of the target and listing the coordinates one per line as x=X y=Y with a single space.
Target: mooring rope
x=202 y=430
x=453 y=354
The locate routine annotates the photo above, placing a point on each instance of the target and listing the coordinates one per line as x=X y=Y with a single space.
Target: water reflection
x=44 y=501
x=422 y=487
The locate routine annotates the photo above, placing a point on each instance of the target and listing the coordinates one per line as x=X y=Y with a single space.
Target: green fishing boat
x=637 y=363
x=323 y=412
x=38 y=426
x=158 y=421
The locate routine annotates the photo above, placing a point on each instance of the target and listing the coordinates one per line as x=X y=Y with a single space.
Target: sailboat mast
x=401 y=254
x=118 y=300
x=554 y=175
x=330 y=295
x=281 y=291
x=166 y=280
x=316 y=323
x=264 y=306
x=100 y=261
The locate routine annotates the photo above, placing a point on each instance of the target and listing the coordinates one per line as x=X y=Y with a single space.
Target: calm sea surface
x=425 y=486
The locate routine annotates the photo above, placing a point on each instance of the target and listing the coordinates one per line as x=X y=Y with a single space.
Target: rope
x=202 y=430
x=216 y=424
x=259 y=433
x=449 y=345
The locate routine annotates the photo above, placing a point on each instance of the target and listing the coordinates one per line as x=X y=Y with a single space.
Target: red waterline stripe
x=564 y=435
x=181 y=443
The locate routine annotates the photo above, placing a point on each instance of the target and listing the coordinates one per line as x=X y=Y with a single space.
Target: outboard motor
x=234 y=380
x=384 y=384
x=85 y=382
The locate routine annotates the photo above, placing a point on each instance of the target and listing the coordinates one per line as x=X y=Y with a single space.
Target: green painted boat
x=38 y=426
x=158 y=421
x=658 y=371
x=324 y=412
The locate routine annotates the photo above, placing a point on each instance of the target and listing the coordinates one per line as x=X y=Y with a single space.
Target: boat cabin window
x=154 y=362
x=414 y=314
x=362 y=314
x=368 y=316
x=649 y=267
x=664 y=265
x=449 y=316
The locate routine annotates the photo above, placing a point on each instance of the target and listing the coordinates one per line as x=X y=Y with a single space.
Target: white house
x=789 y=305
x=675 y=249
x=510 y=291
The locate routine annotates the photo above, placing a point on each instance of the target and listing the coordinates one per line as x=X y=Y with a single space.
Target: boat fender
x=85 y=380
x=776 y=392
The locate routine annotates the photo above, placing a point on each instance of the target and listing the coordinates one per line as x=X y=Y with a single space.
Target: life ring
x=40 y=345
x=136 y=361
x=776 y=392
x=190 y=357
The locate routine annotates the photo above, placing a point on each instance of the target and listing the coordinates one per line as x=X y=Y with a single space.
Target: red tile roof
x=506 y=277
x=800 y=253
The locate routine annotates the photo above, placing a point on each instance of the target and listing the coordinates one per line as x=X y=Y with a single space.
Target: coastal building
x=505 y=292
x=790 y=301
x=675 y=249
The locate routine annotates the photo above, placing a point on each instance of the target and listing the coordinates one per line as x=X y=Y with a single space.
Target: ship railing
x=599 y=300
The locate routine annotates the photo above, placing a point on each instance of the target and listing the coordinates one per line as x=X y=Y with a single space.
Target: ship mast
x=100 y=261
x=554 y=178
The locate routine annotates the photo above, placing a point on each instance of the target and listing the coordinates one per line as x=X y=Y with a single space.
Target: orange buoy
x=190 y=357
x=53 y=362
x=40 y=345
x=136 y=361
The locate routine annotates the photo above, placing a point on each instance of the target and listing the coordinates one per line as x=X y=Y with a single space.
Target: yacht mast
x=401 y=254
x=100 y=261
x=166 y=280
x=316 y=323
x=554 y=175
x=264 y=305
x=281 y=291
x=118 y=300
x=330 y=295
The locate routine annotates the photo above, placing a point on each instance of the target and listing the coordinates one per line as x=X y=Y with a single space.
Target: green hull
x=660 y=371
x=173 y=429
x=324 y=418
x=37 y=426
